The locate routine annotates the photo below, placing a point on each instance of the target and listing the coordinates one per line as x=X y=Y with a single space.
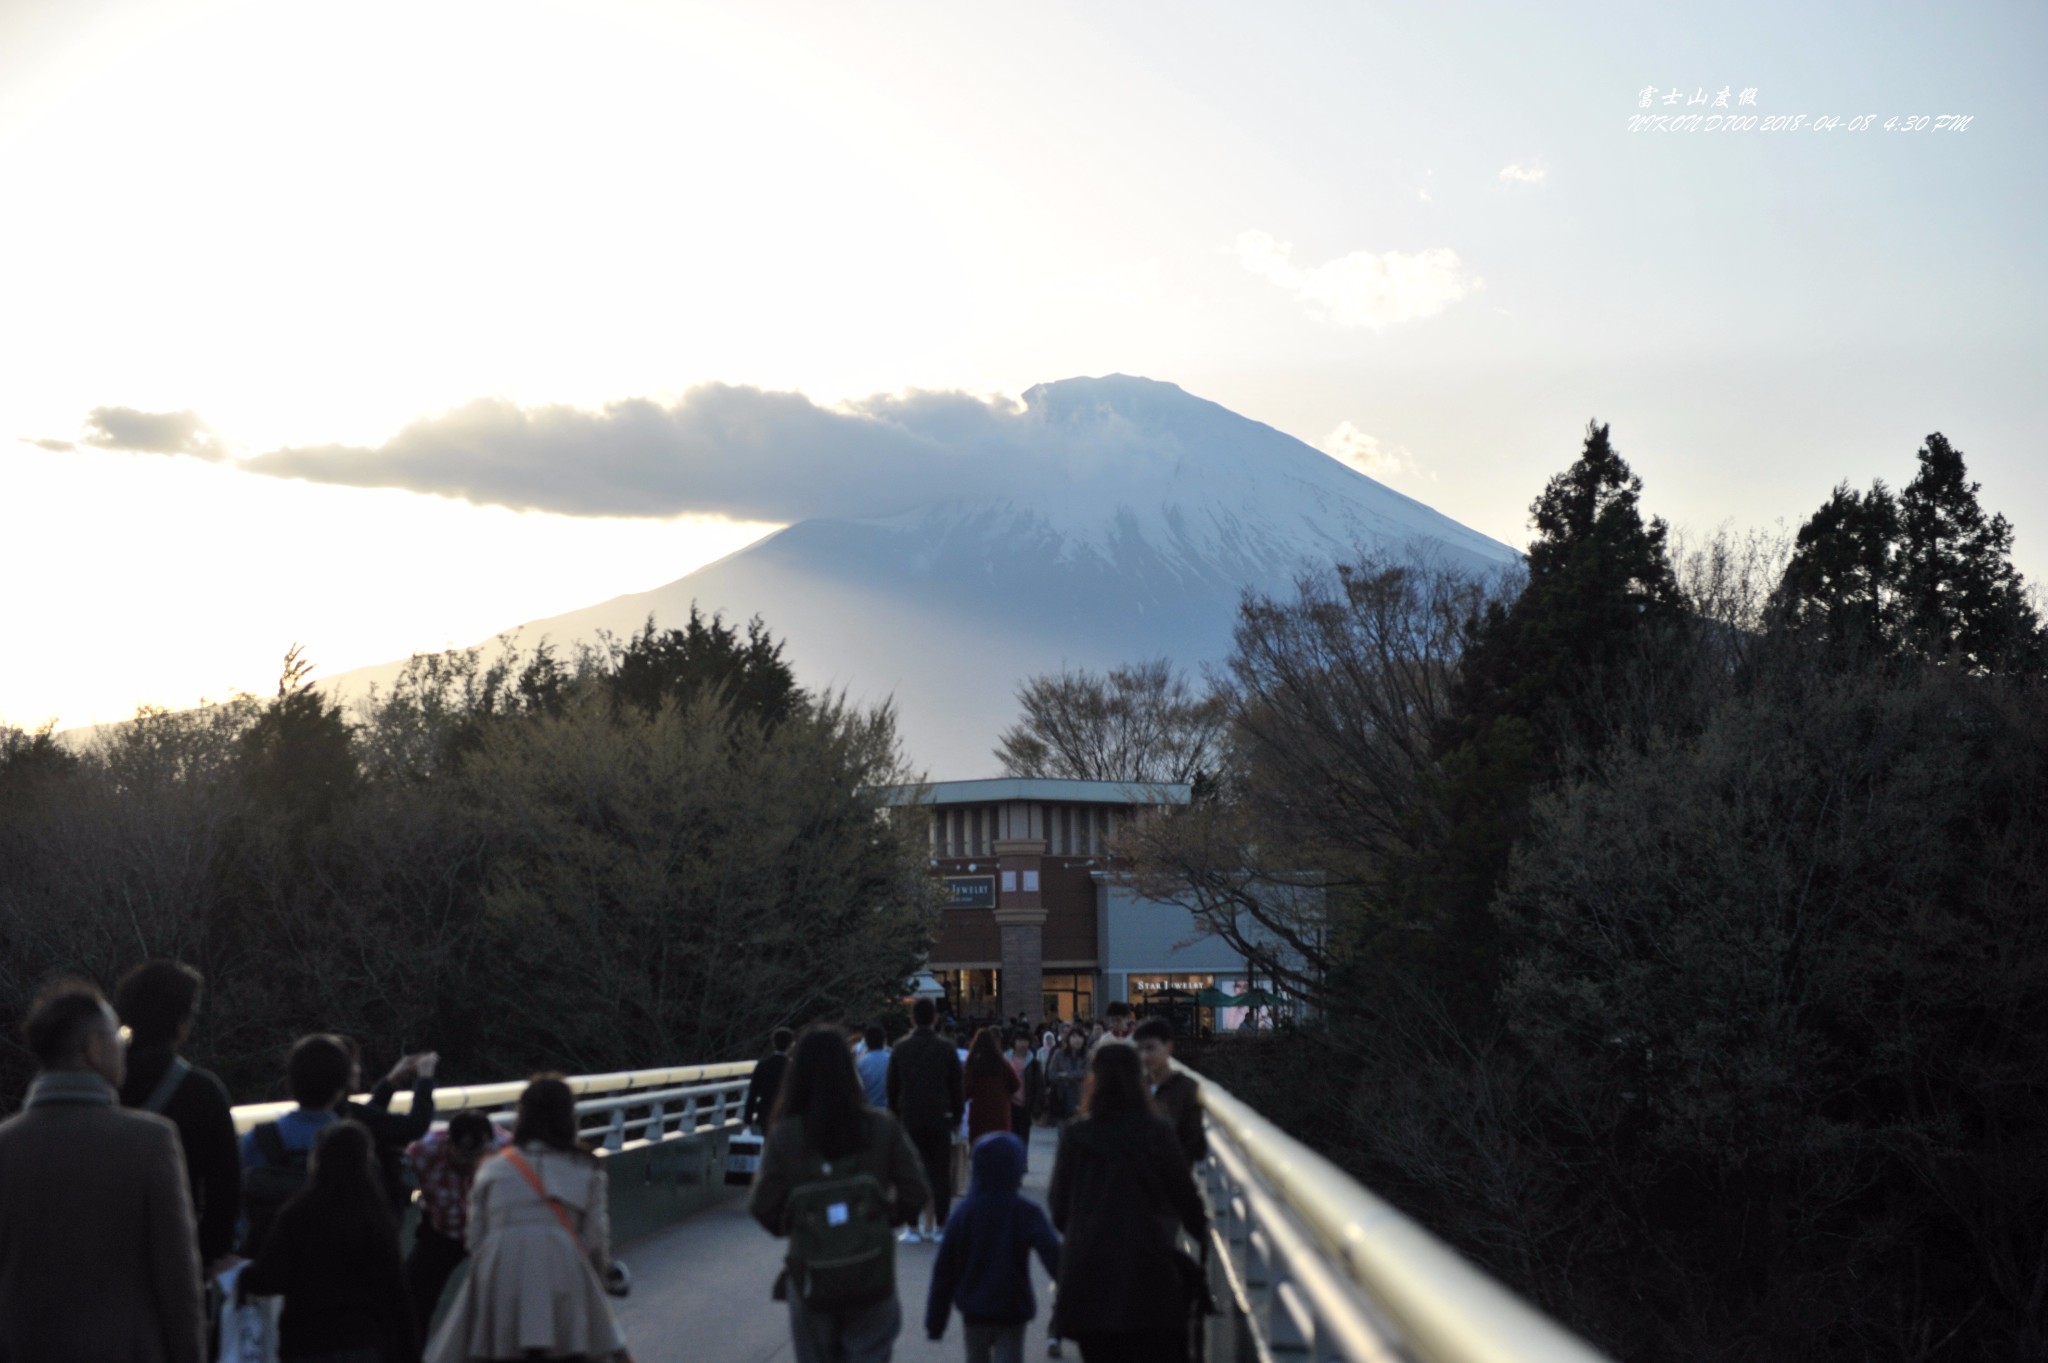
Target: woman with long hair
x=1119 y=1187
x=332 y=1253
x=1065 y=1073
x=539 y=1237
x=836 y=1178
x=991 y=1085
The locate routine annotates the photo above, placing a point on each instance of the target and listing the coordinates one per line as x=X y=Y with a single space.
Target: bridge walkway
x=700 y=1288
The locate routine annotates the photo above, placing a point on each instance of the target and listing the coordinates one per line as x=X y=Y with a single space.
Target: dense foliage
x=654 y=852
x=1677 y=923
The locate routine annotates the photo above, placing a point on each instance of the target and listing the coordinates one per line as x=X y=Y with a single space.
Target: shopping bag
x=743 y=1157
x=248 y=1325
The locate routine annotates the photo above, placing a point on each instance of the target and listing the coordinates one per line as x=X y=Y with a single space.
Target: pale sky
x=1421 y=236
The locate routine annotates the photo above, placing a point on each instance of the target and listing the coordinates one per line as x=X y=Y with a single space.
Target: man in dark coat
x=99 y=1257
x=767 y=1079
x=157 y=1001
x=1175 y=1092
x=928 y=1092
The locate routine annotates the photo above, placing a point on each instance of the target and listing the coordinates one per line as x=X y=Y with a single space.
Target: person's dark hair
x=342 y=1180
x=59 y=1021
x=156 y=999
x=1154 y=1029
x=547 y=1114
x=822 y=1087
x=318 y=1070
x=782 y=1038
x=985 y=1054
x=1074 y=1034
x=923 y=1013
x=469 y=1128
x=876 y=1037
x=1116 y=1085
x=1119 y=1009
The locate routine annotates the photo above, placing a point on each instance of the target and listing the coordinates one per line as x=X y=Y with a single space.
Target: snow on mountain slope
x=1137 y=516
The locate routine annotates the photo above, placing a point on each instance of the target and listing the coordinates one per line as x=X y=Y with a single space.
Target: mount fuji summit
x=1127 y=517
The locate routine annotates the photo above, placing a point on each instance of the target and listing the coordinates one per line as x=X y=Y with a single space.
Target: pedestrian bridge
x=1305 y=1264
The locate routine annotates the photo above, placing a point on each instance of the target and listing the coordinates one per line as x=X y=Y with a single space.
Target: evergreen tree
x=1963 y=600
x=1840 y=586
x=1600 y=589
x=1926 y=574
x=298 y=759
x=1599 y=578
x=706 y=657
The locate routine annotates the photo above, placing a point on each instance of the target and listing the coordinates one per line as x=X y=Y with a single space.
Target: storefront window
x=1070 y=998
x=969 y=993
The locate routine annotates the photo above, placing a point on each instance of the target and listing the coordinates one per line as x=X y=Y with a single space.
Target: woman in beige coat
x=534 y=1288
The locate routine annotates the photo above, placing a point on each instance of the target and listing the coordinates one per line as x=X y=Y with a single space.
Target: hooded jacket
x=984 y=1264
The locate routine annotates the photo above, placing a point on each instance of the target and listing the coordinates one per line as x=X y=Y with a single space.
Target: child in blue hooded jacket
x=984 y=1264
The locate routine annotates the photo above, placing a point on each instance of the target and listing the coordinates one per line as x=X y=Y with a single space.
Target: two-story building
x=1039 y=921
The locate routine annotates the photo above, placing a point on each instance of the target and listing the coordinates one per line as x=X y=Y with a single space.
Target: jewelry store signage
x=970 y=892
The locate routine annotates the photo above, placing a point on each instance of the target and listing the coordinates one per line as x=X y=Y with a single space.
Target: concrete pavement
x=700 y=1289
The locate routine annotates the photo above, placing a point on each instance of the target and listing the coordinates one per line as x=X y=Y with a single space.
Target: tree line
x=1675 y=918
x=651 y=852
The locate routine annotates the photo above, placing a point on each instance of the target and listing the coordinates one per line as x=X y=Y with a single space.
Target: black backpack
x=842 y=1249
x=269 y=1185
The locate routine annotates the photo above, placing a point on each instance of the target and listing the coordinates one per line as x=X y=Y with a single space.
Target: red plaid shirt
x=444 y=1189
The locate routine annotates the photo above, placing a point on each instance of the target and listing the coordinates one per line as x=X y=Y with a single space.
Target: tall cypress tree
x=1599 y=576
x=1600 y=586
x=1964 y=602
x=1926 y=575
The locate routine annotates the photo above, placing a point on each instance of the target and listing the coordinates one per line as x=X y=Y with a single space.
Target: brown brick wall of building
x=970 y=936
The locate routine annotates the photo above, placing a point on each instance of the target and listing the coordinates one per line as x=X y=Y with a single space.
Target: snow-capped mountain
x=1137 y=517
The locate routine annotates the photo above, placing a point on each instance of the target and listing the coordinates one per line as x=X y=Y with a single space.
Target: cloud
x=744 y=452
x=1532 y=172
x=1349 y=445
x=54 y=446
x=131 y=431
x=1362 y=289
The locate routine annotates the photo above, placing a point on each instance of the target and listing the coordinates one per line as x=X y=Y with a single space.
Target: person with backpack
x=1120 y=1183
x=836 y=1178
x=984 y=1264
x=332 y=1253
x=157 y=1001
x=275 y=1154
x=539 y=1237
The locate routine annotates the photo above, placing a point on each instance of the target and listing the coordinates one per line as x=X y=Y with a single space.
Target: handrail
x=500 y=1097
x=1441 y=1308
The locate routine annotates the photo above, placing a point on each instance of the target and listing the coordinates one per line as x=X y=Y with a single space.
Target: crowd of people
x=132 y=1214
x=839 y=1170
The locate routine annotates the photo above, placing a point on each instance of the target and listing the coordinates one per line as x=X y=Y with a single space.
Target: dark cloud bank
x=750 y=454
x=736 y=451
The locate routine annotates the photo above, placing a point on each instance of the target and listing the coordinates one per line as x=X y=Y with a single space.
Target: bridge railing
x=1306 y=1264
x=620 y=1111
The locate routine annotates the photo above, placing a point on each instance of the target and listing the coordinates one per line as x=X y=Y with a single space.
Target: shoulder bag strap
x=160 y=1096
x=540 y=1191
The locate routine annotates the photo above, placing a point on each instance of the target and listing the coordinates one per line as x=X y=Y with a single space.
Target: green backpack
x=842 y=1249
